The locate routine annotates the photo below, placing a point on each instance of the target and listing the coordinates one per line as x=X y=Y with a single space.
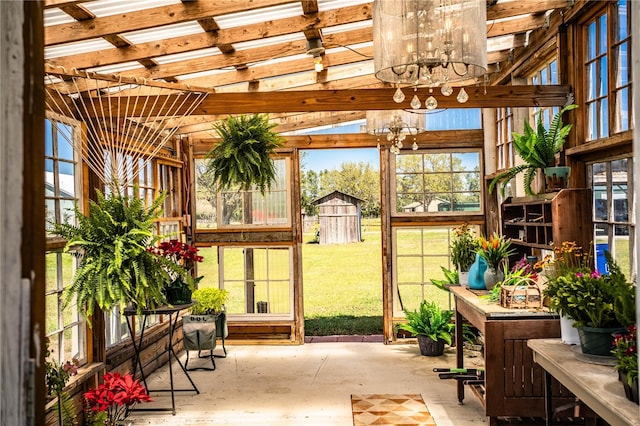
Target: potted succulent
x=463 y=251
x=205 y=322
x=599 y=304
x=115 y=265
x=242 y=158
x=538 y=149
x=431 y=325
x=494 y=251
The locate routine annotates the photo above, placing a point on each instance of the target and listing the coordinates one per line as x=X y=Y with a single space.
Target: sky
x=328 y=159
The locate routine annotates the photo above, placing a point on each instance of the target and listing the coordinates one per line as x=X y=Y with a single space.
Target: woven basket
x=521 y=296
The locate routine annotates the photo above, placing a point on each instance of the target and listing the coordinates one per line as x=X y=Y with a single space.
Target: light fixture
x=429 y=43
x=316 y=49
x=397 y=125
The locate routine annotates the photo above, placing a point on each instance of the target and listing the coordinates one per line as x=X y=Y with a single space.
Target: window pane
x=604 y=119
x=65 y=141
x=591 y=46
x=622 y=67
x=591 y=80
x=602 y=87
x=602 y=45
x=622 y=110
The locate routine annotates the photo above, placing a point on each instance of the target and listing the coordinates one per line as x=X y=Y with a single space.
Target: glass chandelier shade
x=396 y=125
x=429 y=42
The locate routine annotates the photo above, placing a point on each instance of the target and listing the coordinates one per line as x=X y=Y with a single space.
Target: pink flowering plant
x=183 y=258
x=625 y=349
x=116 y=396
x=593 y=299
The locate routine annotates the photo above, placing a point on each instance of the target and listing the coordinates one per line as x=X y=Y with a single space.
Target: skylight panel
x=201 y=53
x=56 y=16
x=337 y=4
x=163 y=32
x=348 y=27
x=269 y=41
x=117 y=68
x=102 y=8
x=282 y=59
x=259 y=15
x=351 y=47
x=200 y=74
x=76 y=47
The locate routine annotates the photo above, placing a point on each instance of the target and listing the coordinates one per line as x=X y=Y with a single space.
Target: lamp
x=429 y=43
x=316 y=49
x=397 y=127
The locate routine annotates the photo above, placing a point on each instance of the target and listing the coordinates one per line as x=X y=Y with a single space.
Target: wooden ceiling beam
x=149 y=18
x=350 y=100
x=512 y=26
x=429 y=139
x=225 y=36
x=49 y=4
x=515 y=8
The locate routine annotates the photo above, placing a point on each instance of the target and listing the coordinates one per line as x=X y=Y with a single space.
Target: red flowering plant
x=116 y=396
x=625 y=349
x=184 y=257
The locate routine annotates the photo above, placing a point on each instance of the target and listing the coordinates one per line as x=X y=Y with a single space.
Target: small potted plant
x=206 y=321
x=463 y=251
x=494 y=251
x=599 y=304
x=431 y=325
x=112 y=400
x=625 y=350
x=178 y=291
x=538 y=149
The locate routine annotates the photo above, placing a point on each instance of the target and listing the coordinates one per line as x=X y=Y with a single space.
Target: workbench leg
x=459 y=354
x=548 y=399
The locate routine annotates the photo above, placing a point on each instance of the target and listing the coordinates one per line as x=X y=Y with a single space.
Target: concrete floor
x=307 y=385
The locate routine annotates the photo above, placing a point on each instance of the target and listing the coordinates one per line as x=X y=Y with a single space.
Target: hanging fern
x=115 y=266
x=243 y=156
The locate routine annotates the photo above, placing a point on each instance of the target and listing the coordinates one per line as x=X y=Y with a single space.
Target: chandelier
x=397 y=127
x=429 y=43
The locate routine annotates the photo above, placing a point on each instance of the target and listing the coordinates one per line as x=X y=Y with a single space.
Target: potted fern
x=242 y=158
x=116 y=266
x=538 y=149
x=431 y=325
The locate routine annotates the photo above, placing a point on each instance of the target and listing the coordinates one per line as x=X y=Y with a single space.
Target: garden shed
x=340 y=218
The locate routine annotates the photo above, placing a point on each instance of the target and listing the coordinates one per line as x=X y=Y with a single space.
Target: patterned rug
x=390 y=409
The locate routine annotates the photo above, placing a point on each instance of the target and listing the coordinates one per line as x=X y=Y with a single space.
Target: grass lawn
x=343 y=286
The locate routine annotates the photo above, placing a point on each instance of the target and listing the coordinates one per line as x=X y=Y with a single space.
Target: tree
x=310 y=185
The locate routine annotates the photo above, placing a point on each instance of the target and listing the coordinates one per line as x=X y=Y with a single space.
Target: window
x=504 y=125
x=547 y=74
x=242 y=208
x=613 y=214
x=436 y=182
x=65 y=328
x=607 y=64
x=419 y=254
x=259 y=281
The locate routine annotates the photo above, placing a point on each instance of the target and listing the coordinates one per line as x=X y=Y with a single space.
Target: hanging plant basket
x=242 y=158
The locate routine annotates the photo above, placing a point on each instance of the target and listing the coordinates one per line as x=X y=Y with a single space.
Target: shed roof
x=332 y=195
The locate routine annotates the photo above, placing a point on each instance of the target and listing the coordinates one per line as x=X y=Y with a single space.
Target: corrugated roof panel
x=117 y=68
x=337 y=4
x=201 y=53
x=55 y=16
x=283 y=59
x=268 y=41
x=348 y=27
x=200 y=74
x=350 y=47
x=259 y=15
x=163 y=32
x=77 y=47
x=102 y=8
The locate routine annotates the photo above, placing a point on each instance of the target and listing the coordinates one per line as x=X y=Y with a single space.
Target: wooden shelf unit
x=537 y=222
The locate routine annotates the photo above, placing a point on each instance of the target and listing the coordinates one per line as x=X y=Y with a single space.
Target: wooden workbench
x=595 y=385
x=514 y=384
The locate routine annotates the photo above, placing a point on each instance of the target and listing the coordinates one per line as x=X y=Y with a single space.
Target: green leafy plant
x=450 y=277
x=537 y=148
x=593 y=299
x=431 y=321
x=463 y=247
x=625 y=349
x=209 y=300
x=56 y=377
x=115 y=265
x=243 y=156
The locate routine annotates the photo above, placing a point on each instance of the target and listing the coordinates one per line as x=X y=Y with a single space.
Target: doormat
x=390 y=409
